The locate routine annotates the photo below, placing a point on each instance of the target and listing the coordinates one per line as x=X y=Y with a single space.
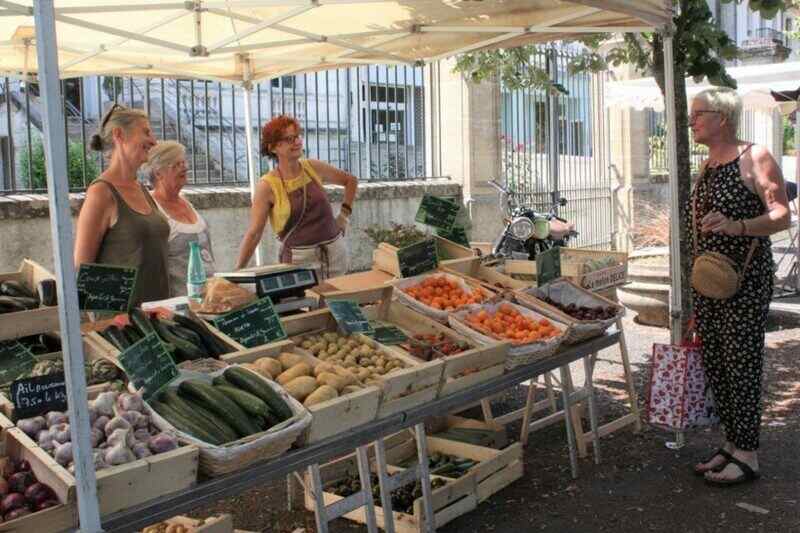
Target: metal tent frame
x=404 y=43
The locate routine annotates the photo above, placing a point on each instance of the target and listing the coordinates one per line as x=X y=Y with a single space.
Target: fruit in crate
x=429 y=346
x=582 y=312
x=444 y=294
x=600 y=263
x=508 y=323
x=366 y=361
x=402 y=497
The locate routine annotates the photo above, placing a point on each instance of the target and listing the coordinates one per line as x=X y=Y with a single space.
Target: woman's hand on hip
x=341 y=222
x=716 y=222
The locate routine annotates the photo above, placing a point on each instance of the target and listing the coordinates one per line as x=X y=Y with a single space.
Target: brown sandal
x=748 y=474
x=721 y=452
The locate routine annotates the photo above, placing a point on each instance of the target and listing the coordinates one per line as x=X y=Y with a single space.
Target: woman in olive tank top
x=119 y=223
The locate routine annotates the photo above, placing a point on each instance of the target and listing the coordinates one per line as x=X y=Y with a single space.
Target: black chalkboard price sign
x=437 y=212
x=388 y=334
x=105 y=287
x=149 y=365
x=418 y=258
x=253 y=325
x=457 y=234
x=548 y=266
x=38 y=395
x=348 y=315
x=15 y=360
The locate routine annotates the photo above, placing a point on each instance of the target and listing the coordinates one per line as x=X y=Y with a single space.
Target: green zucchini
x=132 y=334
x=204 y=418
x=15 y=289
x=115 y=335
x=217 y=402
x=248 y=381
x=187 y=335
x=139 y=319
x=185 y=350
x=177 y=419
x=214 y=345
x=221 y=381
x=248 y=402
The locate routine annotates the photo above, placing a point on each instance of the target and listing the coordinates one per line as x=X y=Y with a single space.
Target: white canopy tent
x=249 y=40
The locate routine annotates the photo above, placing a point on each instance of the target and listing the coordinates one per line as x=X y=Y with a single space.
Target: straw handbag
x=714 y=275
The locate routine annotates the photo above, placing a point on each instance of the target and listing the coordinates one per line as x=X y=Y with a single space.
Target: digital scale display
x=282 y=282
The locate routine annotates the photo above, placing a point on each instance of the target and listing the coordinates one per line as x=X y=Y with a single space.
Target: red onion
x=3 y=487
x=16 y=513
x=21 y=481
x=47 y=503
x=38 y=492
x=23 y=466
x=15 y=500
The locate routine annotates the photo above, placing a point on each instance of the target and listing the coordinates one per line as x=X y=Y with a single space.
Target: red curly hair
x=272 y=132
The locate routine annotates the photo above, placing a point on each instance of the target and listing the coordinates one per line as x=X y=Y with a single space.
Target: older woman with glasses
x=166 y=167
x=738 y=202
x=119 y=223
x=294 y=200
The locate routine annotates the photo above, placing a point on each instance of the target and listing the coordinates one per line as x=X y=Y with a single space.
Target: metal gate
x=555 y=145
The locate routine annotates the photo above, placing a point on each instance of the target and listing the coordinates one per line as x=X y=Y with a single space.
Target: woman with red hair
x=293 y=198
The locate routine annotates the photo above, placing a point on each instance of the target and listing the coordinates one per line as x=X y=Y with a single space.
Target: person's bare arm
x=93 y=221
x=262 y=204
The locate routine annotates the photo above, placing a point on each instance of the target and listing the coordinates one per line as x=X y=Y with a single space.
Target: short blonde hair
x=724 y=101
x=161 y=156
x=117 y=116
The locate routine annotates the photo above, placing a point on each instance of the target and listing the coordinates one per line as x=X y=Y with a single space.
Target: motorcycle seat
x=559 y=230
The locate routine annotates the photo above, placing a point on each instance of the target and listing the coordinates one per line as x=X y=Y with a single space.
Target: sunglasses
x=108 y=114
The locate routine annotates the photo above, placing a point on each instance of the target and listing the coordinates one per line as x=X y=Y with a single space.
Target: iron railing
x=580 y=171
x=366 y=120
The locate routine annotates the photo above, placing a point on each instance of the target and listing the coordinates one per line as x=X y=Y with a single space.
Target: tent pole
x=796 y=242
x=247 y=86
x=672 y=153
x=674 y=207
x=61 y=228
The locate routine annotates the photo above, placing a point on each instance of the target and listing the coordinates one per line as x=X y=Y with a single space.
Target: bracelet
x=744 y=228
x=349 y=209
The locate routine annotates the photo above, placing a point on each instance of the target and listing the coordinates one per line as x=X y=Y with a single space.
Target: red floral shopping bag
x=679 y=397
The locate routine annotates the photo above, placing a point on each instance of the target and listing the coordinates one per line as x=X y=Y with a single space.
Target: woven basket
x=219 y=460
x=565 y=292
x=714 y=276
x=432 y=312
x=518 y=354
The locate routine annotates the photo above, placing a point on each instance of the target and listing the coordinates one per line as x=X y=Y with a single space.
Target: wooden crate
x=370 y=279
x=496 y=433
x=402 y=389
x=573 y=262
x=462 y=370
x=48 y=471
x=384 y=257
x=472 y=269
x=456 y=498
x=495 y=470
x=24 y=323
x=123 y=486
x=327 y=418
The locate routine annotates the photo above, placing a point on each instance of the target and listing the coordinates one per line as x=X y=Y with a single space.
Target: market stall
x=170 y=39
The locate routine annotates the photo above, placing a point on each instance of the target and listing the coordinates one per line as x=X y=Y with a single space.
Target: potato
x=346 y=374
x=363 y=374
x=289 y=359
x=350 y=389
x=330 y=337
x=301 y=387
x=323 y=367
x=334 y=380
x=300 y=369
x=270 y=366
x=322 y=394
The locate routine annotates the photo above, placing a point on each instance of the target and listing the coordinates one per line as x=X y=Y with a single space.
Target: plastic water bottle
x=196 y=274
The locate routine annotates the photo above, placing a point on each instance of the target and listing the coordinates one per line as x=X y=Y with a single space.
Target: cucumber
x=15 y=289
x=214 y=345
x=249 y=382
x=115 y=335
x=248 y=402
x=217 y=402
x=189 y=409
x=177 y=419
x=220 y=381
x=139 y=319
x=187 y=335
x=132 y=334
x=185 y=350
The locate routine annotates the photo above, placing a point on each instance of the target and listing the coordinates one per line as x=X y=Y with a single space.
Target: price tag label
x=388 y=334
x=15 y=360
x=254 y=325
x=105 y=287
x=349 y=316
x=418 y=258
x=437 y=212
x=37 y=395
x=149 y=365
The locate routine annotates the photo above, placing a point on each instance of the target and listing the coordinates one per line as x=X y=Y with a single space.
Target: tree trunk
x=684 y=163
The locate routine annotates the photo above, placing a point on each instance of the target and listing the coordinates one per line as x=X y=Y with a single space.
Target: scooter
x=528 y=232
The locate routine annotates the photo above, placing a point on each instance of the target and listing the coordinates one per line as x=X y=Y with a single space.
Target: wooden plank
x=45 y=467
x=24 y=323
x=451 y=385
x=403 y=382
x=313 y=320
x=58 y=518
x=500 y=480
x=213 y=524
x=404 y=403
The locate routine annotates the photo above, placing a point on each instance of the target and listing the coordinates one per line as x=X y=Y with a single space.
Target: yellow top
x=282 y=207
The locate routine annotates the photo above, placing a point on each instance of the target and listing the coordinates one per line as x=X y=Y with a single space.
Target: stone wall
x=25 y=224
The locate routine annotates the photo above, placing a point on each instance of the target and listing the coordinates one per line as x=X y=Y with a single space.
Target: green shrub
x=37 y=177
